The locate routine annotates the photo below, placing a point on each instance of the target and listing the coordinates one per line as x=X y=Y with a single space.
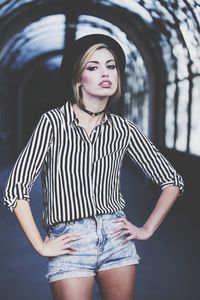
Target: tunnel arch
x=149 y=30
x=108 y=13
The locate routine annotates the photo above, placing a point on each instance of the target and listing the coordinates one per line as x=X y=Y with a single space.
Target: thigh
x=73 y=288
x=117 y=283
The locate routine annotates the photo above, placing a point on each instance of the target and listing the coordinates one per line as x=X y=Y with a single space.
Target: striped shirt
x=81 y=173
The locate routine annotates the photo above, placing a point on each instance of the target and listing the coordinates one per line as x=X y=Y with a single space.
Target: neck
x=86 y=117
x=92 y=113
x=94 y=104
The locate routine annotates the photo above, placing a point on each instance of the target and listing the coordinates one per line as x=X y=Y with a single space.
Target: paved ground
x=169 y=260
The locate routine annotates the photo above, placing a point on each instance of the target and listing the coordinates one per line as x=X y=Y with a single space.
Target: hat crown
x=81 y=45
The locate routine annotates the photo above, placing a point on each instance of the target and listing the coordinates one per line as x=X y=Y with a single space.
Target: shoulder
x=127 y=126
x=132 y=126
x=53 y=115
x=118 y=120
x=122 y=121
x=52 y=112
x=49 y=121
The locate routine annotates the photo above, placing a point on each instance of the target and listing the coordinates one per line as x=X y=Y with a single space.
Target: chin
x=107 y=93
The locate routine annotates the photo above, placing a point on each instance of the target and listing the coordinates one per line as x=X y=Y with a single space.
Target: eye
x=111 y=67
x=91 y=68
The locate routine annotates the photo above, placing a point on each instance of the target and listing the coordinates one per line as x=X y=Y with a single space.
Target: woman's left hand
x=131 y=231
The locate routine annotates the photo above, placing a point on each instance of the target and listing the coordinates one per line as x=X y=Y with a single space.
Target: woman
x=79 y=148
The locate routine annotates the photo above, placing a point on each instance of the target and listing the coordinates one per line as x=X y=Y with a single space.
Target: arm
x=157 y=168
x=28 y=164
x=160 y=171
x=54 y=247
x=19 y=185
x=163 y=206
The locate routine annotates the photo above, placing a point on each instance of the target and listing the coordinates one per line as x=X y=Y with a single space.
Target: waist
x=89 y=220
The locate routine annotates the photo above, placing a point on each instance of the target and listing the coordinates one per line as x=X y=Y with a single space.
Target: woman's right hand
x=59 y=245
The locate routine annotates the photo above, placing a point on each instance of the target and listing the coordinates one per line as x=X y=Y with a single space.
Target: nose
x=104 y=71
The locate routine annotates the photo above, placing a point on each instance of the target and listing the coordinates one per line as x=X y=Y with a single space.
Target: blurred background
x=161 y=95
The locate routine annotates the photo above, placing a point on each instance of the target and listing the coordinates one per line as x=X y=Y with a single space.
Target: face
x=99 y=78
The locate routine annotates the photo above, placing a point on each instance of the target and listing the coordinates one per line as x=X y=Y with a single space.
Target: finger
x=118 y=229
x=46 y=238
x=69 y=247
x=131 y=237
x=118 y=236
x=67 y=235
x=125 y=221
x=71 y=238
x=118 y=220
x=70 y=234
x=127 y=239
x=124 y=242
x=121 y=234
x=67 y=252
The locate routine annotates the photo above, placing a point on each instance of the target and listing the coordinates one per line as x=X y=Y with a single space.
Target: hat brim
x=81 y=45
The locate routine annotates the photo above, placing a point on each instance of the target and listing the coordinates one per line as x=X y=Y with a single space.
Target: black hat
x=81 y=45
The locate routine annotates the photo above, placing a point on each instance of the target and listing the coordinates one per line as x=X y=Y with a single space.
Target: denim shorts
x=97 y=250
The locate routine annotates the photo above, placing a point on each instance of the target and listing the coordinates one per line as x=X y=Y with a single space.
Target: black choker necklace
x=92 y=113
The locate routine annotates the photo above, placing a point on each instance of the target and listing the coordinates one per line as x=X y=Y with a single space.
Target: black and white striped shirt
x=81 y=174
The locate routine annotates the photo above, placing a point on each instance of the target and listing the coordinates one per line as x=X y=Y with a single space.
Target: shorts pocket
x=59 y=229
x=120 y=214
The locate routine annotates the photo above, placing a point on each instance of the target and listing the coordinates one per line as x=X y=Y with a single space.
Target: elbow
x=173 y=190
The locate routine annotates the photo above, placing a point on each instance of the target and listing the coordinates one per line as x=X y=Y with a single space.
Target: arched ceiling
x=160 y=38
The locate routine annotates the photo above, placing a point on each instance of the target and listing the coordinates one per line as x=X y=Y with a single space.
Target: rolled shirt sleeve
x=28 y=164
x=144 y=153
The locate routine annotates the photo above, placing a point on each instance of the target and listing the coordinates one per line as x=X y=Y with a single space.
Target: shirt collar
x=68 y=112
x=71 y=118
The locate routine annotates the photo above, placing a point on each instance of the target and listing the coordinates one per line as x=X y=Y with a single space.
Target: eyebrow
x=97 y=62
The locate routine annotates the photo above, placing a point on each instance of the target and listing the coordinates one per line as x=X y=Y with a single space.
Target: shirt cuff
x=177 y=181
x=19 y=192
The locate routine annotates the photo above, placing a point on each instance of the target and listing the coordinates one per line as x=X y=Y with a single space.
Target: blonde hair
x=79 y=69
